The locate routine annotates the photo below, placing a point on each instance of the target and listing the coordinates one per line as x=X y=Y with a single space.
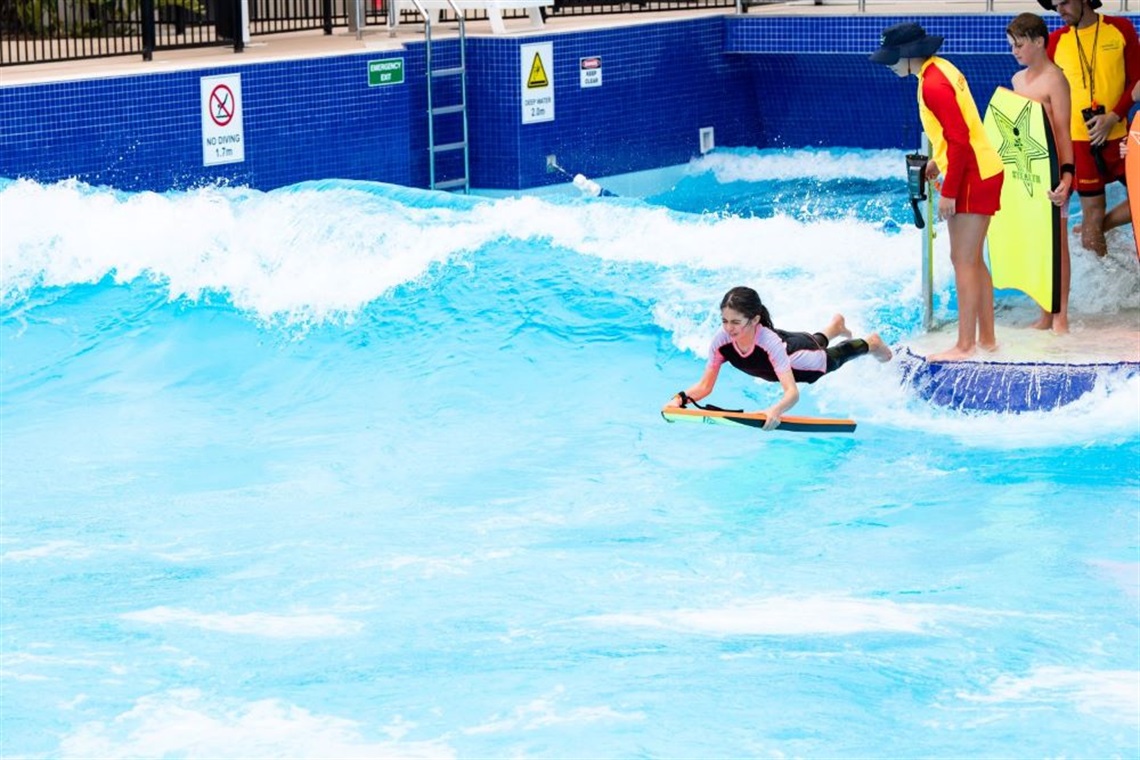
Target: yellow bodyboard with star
x=1024 y=238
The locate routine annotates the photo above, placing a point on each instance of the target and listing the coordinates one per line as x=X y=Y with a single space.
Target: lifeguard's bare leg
x=1092 y=226
x=974 y=285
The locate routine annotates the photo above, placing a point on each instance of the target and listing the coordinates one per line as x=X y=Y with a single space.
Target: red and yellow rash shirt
x=1106 y=72
x=951 y=121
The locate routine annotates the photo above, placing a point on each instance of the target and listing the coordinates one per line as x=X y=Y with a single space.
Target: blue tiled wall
x=660 y=84
x=844 y=99
x=816 y=87
x=859 y=34
x=771 y=81
x=303 y=120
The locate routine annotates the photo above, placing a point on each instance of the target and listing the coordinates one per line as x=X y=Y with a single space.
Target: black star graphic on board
x=1018 y=146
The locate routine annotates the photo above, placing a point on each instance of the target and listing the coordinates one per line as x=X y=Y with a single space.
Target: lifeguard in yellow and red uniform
x=1100 y=56
x=972 y=169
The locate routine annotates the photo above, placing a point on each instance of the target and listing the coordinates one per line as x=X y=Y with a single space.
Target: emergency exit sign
x=387 y=71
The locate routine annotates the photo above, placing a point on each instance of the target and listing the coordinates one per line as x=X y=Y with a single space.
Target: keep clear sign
x=590 y=71
x=223 y=138
x=537 y=69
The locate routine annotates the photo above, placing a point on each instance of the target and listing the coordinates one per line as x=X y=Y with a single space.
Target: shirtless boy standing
x=1043 y=81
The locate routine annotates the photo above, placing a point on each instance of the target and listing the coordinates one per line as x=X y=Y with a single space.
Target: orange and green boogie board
x=1132 y=174
x=1024 y=237
x=739 y=418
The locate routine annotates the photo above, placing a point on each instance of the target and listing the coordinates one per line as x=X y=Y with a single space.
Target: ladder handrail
x=462 y=72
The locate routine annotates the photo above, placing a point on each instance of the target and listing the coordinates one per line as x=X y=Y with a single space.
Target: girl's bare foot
x=878 y=348
x=1060 y=324
x=837 y=328
x=1044 y=322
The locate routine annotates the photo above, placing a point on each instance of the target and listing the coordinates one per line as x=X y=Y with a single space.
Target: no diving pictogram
x=222 y=105
x=223 y=136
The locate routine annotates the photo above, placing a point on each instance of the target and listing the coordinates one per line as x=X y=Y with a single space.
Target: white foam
x=1109 y=694
x=52 y=549
x=1108 y=415
x=324 y=252
x=296 y=256
x=806 y=271
x=1104 y=285
x=733 y=166
x=190 y=724
x=301 y=625
x=545 y=711
x=802 y=271
x=810 y=616
x=32 y=666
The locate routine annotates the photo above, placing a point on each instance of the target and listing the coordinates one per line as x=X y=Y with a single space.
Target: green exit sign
x=387 y=71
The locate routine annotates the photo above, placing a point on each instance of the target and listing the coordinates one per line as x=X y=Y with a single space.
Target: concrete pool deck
x=1092 y=339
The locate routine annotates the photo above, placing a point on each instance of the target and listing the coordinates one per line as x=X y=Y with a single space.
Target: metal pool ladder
x=454 y=111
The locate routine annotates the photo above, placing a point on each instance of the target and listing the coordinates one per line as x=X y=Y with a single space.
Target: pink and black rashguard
x=807 y=355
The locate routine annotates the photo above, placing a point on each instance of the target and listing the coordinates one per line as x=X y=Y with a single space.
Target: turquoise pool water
x=349 y=470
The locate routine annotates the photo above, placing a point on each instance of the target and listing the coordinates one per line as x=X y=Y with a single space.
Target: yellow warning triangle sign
x=537 y=76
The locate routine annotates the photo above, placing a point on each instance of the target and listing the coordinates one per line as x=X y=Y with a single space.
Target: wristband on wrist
x=1068 y=168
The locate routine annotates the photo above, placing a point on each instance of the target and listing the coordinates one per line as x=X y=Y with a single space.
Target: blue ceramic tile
x=758 y=81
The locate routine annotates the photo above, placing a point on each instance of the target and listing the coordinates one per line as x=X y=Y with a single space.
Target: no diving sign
x=223 y=136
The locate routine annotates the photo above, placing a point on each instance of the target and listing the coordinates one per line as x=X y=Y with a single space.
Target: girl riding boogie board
x=750 y=342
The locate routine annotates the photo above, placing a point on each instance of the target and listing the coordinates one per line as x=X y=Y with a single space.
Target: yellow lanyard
x=1087 y=64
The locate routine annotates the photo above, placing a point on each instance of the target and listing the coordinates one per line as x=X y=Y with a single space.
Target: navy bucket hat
x=905 y=40
x=1048 y=4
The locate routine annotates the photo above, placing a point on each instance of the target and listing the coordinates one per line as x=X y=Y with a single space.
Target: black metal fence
x=38 y=31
